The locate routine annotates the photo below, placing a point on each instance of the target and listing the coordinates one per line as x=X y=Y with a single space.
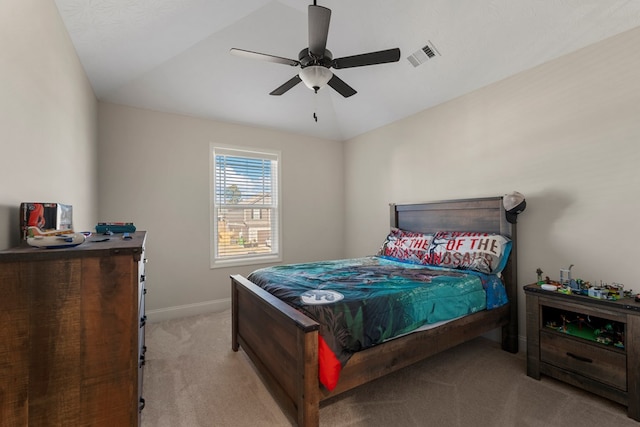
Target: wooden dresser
x=72 y=333
x=590 y=343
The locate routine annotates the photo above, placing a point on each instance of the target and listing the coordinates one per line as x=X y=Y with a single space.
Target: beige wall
x=566 y=134
x=48 y=118
x=154 y=171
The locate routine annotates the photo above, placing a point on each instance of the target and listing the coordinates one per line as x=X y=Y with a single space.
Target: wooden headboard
x=480 y=215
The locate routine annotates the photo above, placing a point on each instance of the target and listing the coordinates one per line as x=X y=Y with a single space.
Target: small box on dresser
x=74 y=353
x=607 y=370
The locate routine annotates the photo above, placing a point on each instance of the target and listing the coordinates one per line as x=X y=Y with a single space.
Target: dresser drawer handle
x=580 y=358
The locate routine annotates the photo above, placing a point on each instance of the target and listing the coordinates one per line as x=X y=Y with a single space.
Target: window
x=245 y=207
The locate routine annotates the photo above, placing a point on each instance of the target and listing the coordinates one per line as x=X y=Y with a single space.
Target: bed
x=282 y=342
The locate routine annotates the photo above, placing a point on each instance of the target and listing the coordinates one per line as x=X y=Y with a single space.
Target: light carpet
x=192 y=378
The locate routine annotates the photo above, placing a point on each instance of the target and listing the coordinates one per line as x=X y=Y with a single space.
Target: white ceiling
x=173 y=55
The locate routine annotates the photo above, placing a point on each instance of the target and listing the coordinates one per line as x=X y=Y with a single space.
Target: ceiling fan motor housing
x=306 y=58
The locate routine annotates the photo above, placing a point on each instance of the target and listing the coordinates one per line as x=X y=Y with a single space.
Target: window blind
x=245 y=207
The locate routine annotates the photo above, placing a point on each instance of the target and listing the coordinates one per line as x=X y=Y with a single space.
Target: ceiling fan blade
x=372 y=58
x=288 y=85
x=319 y=19
x=341 y=87
x=263 y=57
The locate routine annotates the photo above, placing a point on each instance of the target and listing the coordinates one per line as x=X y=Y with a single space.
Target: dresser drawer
x=590 y=360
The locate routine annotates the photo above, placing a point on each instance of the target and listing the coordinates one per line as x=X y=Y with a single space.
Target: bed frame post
x=510 y=340
x=510 y=330
x=393 y=215
x=306 y=377
x=234 y=317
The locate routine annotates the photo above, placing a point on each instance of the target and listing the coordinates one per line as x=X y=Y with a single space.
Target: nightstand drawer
x=601 y=364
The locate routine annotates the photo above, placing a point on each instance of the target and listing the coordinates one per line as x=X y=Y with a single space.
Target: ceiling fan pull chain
x=315 y=106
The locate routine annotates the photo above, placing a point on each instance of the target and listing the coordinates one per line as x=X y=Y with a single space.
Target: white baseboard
x=160 y=314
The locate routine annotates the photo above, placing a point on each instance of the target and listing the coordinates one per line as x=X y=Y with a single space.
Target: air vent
x=421 y=56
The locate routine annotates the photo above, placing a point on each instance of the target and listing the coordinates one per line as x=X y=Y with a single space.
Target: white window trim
x=243 y=260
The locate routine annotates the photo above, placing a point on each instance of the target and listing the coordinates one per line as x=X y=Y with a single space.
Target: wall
x=154 y=171
x=566 y=134
x=48 y=117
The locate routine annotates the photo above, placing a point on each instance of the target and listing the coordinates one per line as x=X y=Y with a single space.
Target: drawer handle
x=580 y=358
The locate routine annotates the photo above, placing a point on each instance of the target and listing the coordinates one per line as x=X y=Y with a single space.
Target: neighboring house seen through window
x=245 y=206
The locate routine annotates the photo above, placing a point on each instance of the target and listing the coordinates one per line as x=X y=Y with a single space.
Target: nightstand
x=590 y=343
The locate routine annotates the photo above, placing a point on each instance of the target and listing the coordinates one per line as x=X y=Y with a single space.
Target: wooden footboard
x=283 y=345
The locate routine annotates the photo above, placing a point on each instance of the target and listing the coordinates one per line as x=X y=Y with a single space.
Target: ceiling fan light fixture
x=315 y=76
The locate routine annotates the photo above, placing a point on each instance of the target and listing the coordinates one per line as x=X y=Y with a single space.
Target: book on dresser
x=74 y=354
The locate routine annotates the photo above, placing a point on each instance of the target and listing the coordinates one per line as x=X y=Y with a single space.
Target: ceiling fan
x=316 y=60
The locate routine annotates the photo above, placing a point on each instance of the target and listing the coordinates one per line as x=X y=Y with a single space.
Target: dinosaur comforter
x=362 y=302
